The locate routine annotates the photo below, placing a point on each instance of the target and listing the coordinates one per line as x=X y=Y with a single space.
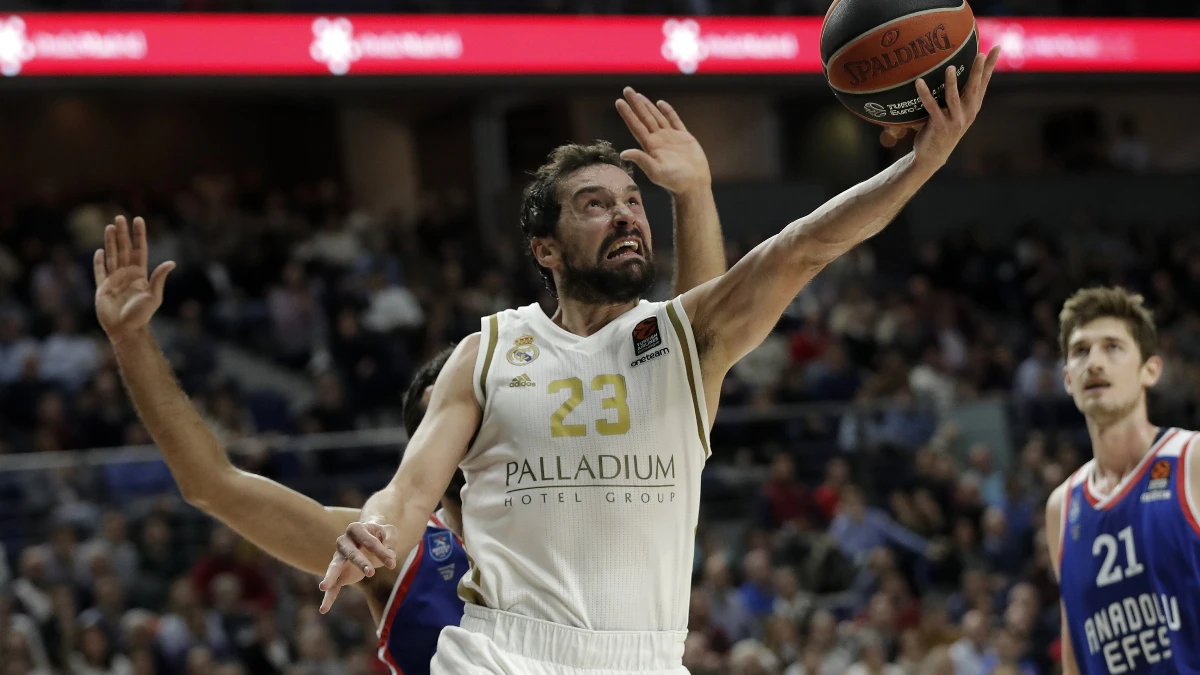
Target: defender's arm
x=281 y=521
x=393 y=519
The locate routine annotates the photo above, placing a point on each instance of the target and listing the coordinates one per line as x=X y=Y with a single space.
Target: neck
x=585 y=319
x=1120 y=444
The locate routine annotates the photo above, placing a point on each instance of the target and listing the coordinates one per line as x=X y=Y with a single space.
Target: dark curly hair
x=414 y=411
x=541 y=205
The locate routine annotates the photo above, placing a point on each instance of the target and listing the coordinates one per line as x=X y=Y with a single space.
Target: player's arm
x=393 y=519
x=672 y=158
x=1054 y=508
x=734 y=313
x=284 y=523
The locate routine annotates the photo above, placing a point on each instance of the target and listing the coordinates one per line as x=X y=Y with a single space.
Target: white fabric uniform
x=582 y=495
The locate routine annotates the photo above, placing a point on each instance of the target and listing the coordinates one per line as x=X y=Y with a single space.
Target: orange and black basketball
x=645 y=328
x=875 y=50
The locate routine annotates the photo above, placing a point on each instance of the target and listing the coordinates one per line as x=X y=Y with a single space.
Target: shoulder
x=1055 y=502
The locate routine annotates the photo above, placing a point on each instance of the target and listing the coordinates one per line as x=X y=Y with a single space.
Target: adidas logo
x=522 y=381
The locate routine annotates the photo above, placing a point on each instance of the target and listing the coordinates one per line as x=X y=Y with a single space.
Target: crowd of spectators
x=1165 y=8
x=935 y=565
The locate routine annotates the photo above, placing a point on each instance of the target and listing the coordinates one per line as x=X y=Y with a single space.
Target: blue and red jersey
x=1129 y=566
x=424 y=601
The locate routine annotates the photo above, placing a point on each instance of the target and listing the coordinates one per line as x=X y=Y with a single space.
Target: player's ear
x=1066 y=380
x=1151 y=371
x=545 y=252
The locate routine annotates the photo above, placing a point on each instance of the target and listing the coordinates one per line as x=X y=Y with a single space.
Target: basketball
x=873 y=52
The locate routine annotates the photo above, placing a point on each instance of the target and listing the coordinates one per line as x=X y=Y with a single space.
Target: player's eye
x=594 y=202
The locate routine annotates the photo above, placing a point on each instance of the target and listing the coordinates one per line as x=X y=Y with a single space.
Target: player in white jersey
x=582 y=434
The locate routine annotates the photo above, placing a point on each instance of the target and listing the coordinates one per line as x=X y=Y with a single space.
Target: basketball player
x=582 y=434
x=1123 y=529
x=416 y=600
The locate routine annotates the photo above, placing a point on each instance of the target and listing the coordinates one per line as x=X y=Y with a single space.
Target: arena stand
x=848 y=515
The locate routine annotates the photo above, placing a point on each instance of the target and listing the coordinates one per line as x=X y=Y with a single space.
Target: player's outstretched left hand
x=360 y=551
x=670 y=156
x=125 y=297
x=938 y=135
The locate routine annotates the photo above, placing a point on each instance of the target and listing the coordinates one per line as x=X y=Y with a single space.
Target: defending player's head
x=416 y=401
x=587 y=231
x=1110 y=345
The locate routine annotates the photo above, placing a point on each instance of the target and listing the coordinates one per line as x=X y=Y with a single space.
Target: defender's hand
x=940 y=133
x=670 y=155
x=125 y=298
x=364 y=548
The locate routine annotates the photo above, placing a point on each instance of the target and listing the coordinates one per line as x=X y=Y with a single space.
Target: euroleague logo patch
x=645 y=336
x=1159 y=486
x=439 y=546
x=1161 y=470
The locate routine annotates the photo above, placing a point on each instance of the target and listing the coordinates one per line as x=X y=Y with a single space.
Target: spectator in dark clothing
x=221 y=559
x=784 y=498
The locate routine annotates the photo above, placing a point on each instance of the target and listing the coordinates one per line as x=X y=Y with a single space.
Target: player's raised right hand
x=364 y=547
x=125 y=297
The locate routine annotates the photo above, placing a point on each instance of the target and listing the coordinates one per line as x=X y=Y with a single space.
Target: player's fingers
x=354 y=556
x=158 y=280
x=361 y=537
x=953 y=100
x=141 y=253
x=110 y=248
x=652 y=110
x=330 y=596
x=989 y=67
x=333 y=572
x=936 y=114
x=643 y=160
x=389 y=536
x=639 y=130
x=672 y=116
x=892 y=135
x=124 y=243
x=98 y=267
x=638 y=103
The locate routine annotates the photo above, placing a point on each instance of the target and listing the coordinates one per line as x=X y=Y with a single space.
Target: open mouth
x=625 y=248
x=1096 y=386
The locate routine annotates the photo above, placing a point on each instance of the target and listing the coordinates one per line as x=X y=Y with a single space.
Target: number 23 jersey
x=583 y=482
x=1129 y=569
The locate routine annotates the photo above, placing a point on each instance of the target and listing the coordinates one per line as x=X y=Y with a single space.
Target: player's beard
x=602 y=284
x=1105 y=414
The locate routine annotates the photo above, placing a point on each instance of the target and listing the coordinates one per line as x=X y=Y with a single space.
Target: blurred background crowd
x=874 y=501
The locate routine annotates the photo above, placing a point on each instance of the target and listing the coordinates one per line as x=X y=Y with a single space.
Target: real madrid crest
x=523 y=352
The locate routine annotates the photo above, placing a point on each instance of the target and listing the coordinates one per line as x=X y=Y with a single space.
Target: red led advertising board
x=34 y=44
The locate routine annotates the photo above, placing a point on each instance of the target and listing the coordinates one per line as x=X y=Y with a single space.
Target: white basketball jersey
x=583 y=483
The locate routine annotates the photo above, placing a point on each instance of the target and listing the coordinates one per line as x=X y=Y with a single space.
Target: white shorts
x=491 y=642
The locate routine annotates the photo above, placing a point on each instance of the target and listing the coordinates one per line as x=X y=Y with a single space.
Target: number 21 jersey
x=583 y=482
x=1119 y=620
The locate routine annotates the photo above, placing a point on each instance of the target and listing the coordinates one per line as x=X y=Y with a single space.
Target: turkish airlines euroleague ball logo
x=923 y=46
x=645 y=336
x=1161 y=470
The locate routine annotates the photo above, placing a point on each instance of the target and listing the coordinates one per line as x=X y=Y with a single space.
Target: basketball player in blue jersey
x=413 y=602
x=1123 y=529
